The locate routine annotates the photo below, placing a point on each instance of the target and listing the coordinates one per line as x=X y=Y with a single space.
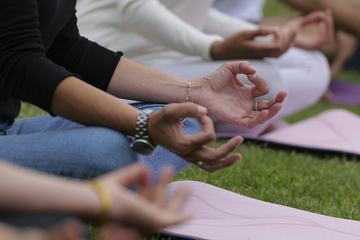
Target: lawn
x=327 y=185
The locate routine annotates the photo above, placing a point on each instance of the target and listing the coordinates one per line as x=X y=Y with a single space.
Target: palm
x=313 y=30
x=228 y=99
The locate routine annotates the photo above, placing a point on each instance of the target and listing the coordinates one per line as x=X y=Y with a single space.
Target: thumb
x=184 y=110
x=132 y=174
x=313 y=17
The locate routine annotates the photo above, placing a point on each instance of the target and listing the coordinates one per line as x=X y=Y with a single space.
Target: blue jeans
x=61 y=147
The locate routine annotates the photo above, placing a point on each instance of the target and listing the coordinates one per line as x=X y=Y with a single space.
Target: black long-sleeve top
x=40 y=45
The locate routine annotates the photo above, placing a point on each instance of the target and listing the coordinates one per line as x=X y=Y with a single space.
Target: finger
x=272 y=112
x=114 y=230
x=183 y=110
x=224 y=163
x=240 y=67
x=313 y=17
x=330 y=25
x=178 y=200
x=70 y=229
x=199 y=139
x=144 y=185
x=209 y=155
x=160 y=186
x=132 y=174
x=323 y=34
x=286 y=38
x=266 y=104
x=261 y=31
x=260 y=87
x=255 y=119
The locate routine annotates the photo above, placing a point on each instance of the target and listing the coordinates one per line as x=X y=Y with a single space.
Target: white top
x=154 y=32
x=250 y=10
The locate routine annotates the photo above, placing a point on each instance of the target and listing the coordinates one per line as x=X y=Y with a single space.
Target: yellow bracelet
x=105 y=199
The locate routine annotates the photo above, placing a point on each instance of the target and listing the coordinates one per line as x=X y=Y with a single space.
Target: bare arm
x=22 y=190
x=29 y=191
x=345 y=12
x=78 y=101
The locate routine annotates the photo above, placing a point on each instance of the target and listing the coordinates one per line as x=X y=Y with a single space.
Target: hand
x=146 y=210
x=228 y=99
x=165 y=129
x=243 y=45
x=313 y=30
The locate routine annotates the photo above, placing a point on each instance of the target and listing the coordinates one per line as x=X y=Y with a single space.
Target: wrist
x=195 y=89
x=91 y=207
x=216 y=50
x=142 y=142
x=105 y=200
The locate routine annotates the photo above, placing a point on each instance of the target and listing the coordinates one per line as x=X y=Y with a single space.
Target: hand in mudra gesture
x=225 y=97
x=230 y=100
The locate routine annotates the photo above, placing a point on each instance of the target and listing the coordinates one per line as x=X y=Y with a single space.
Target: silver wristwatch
x=142 y=143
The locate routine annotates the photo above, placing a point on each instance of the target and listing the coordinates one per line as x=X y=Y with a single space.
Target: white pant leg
x=307 y=74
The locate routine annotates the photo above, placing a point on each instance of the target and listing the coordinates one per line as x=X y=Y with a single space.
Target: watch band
x=142 y=143
x=141 y=125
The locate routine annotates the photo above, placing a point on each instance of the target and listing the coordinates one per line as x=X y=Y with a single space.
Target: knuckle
x=167 y=110
x=227 y=65
x=211 y=137
x=184 y=148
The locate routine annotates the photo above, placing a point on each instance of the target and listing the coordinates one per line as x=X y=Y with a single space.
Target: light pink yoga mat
x=218 y=214
x=335 y=130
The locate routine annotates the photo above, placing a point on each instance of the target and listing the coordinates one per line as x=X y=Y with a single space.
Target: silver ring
x=200 y=164
x=256 y=105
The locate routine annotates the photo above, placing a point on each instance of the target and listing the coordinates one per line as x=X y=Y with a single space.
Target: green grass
x=274 y=8
x=327 y=185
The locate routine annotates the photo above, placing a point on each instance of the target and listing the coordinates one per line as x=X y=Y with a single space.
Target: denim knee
x=83 y=152
x=107 y=150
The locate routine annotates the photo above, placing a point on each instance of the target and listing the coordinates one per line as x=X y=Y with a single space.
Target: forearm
x=80 y=102
x=225 y=25
x=154 y=21
x=27 y=191
x=345 y=13
x=138 y=82
x=7 y=232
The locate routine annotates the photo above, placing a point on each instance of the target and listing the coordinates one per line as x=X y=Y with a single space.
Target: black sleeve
x=26 y=73
x=93 y=63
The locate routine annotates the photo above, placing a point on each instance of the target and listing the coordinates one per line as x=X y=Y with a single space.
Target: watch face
x=143 y=147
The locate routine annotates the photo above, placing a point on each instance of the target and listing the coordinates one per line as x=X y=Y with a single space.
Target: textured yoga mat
x=345 y=93
x=218 y=214
x=335 y=130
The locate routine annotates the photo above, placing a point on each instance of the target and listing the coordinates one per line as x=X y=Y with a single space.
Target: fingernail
x=201 y=111
x=252 y=68
x=251 y=76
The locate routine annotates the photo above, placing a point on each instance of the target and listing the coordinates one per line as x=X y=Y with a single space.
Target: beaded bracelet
x=188 y=86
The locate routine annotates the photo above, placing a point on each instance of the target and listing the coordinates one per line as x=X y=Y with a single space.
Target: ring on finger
x=200 y=164
x=256 y=105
